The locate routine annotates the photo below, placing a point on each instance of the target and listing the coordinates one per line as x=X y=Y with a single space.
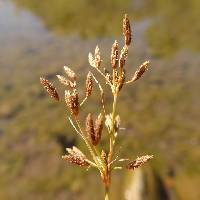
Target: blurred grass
x=174 y=24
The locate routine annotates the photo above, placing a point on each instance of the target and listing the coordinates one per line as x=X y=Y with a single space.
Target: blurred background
x=161 y=112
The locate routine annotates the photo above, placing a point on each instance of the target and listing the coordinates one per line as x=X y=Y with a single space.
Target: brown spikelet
x=121 y=80
x=89 y=84
x=72 y=101
x=98 y=128
x=139 y=162
x=90 y=128
x=108 y=121
x=114 y=54
x=123 y=56
x=121 y=62
x=126 y=30
x=75 y=156
x=91 y=60
x=70 y=73
x=140 y=71
x=66 y=82
x=95 y=60
x=49 y=88
x=97 y=57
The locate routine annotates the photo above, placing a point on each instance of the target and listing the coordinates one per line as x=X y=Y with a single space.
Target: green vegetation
x=89 y=18
x=173 y=24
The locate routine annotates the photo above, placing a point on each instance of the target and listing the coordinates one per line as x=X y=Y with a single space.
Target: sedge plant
x=91 y=130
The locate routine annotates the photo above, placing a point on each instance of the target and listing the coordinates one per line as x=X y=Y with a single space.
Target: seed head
x=90 y=128
x=72 y=101
x=139 y=162
x=97 y=57
x=94 y=133
x=121 y=80
x=75 y=156
x=127 y=30
x=123 y=56
x=108 y=121
x=95 y=60
x=89 y=84
x=66 y=82
x=98 y=128
x=91 y=60
x=140 y=71
x=49 y=88
x=114 y=54
x=70 y=73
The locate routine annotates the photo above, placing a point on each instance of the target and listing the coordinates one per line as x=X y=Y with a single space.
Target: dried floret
x=49 y=88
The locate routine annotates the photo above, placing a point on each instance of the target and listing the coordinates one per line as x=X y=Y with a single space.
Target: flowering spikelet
x=97 y=57
x=75 y=156
x=114 y=54
x=139 y=162
x=140 y=71
x=90 y=127
x=91 y=60
x=72 y=101
x=98 y=128
x=49 y=88
x=127 y=30
x=123 y=56
x=89 y=84
x=95 y=60
x=66 y=82
x=70 y=73
x=121 y=80
x=108 y=121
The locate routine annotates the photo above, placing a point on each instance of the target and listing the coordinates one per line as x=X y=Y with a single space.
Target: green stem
x=112 y=133
x=107 y=193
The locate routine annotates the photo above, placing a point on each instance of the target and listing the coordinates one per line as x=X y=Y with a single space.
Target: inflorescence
x=93 y=130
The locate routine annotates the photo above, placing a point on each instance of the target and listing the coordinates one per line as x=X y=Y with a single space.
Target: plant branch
x=102 y=93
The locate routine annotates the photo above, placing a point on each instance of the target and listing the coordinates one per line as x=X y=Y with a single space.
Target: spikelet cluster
x=123 y=56
x=70 y=73
x=72 y=101
x=90 y=127
x=98 y=128
x=114 y=55
x=140 y=71
x=94 y=131
x=127 y=30
x=95 y=61
x=139 y=162
x=89 y=84
x=49 y=88
x=75 y=156
x=108 y=122
x=66 y=82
